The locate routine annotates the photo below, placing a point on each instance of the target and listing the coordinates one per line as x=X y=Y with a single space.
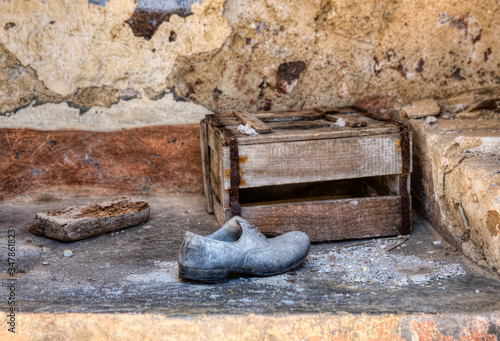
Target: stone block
x=456 y=183
x=421 y=109
x=475 y=186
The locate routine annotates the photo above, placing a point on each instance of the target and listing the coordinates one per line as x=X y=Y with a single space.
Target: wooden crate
x=307 y=172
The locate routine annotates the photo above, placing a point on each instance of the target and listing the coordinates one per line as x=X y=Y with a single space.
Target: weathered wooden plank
x=285 y=129
x=284 y=116
x=254 y=122
x=330 y=219
x=285 y=135
x=80 y=222
x=215 y=140
x=336 y=110
x=350 y=121
x=219 y=211
x=229 y=120
x=316 y=160
x=408 y=185
x=216 y=165
x=216 y=176
x=220 y=193
x=205 y=158
x=288 y=116
x=301 y=124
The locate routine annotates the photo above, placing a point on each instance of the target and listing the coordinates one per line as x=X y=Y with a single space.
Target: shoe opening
x=230 y=232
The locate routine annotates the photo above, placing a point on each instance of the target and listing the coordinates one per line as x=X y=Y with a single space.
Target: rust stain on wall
x=288 y=73
x=386 y=107
x=150 y=14
x=161 y=159
x=144 y=22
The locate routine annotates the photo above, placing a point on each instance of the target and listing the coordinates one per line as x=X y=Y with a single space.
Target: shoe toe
x=295 y=244
x=302 y=241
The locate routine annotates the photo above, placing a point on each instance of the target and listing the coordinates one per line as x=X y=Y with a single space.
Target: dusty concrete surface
x=124 y=283
x=258 y=54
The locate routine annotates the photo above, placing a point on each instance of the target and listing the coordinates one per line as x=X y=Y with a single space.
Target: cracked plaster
x=134 y=113
x=97 y=48
x=227 y=54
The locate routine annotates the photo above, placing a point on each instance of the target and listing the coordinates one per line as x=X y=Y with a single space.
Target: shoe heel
x=203 y=275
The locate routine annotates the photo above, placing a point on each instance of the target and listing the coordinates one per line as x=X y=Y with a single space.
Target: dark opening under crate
x=334 y=173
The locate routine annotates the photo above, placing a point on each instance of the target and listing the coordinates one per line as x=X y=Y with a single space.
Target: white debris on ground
x=247 y=129
x=340 y=122
x=374 y=264
x=165 y=272
x=371 y=264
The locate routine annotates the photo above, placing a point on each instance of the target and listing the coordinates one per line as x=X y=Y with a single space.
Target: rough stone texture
x=19 y=85
x=455 y=182
x=475 y=185
x=423 y=108
x=350 y=50
x=388 y=107
x=258 y=54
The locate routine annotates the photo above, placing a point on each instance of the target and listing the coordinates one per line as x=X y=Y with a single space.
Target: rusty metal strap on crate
x=405 y=171
x=234 y=170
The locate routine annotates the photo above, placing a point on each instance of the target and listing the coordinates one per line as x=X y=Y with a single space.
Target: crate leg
x=205 y=155
x=406 y=227
x=218 y=210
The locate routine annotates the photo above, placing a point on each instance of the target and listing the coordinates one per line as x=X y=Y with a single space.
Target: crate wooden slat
x=288 y=135
x=327 y=220
x=205 y=157
x=315 y=160
x=308 y=148
x=253 y=121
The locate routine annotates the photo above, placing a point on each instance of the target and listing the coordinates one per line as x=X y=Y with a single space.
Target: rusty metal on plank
x=405 y=171
x=234 y=170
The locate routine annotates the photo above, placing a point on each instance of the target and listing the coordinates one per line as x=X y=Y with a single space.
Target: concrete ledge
x=256 y=327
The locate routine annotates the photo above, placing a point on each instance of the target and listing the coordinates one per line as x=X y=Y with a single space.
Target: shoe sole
x=223 y=275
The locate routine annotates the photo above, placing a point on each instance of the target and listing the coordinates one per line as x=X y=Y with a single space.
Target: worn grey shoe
x=239 y=249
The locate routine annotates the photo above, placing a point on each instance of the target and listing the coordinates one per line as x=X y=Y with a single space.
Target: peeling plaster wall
x=255 y=54
x=77 y=44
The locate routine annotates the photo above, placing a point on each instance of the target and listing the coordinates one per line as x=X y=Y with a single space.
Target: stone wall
x=256 y=54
